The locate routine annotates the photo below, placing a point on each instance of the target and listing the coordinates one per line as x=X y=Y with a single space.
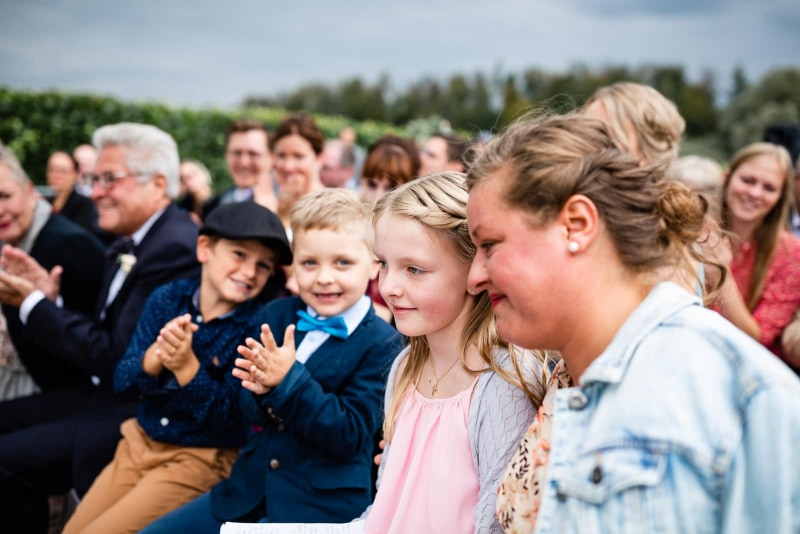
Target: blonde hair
x=768 y=233
x=332 y=209
x=438 y=201
x=652 y=222
x=654 y=118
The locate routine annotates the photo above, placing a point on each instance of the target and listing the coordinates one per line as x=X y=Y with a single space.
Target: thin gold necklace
x=436 y=379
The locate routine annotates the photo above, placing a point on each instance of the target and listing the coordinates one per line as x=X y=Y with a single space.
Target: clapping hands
x=22 y=275
x=173 y=350
x=265 y=364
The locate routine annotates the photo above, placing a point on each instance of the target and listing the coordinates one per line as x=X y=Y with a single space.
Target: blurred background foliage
x=35 y=124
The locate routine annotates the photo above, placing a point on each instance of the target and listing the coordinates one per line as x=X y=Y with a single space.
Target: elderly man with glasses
x=41 y=454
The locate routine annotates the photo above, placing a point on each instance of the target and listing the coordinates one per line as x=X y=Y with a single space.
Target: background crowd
x=134 y=296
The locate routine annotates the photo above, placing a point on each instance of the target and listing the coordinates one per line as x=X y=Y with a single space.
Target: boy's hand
x=174 y=348
x=265 y=364
x=151 y=363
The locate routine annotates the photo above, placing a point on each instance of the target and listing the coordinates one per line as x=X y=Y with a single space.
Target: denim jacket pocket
x=602 y=475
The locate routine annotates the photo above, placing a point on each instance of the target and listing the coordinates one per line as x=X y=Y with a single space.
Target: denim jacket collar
x=664 y=300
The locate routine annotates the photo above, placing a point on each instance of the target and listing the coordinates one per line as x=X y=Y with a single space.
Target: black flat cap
x=241 y=221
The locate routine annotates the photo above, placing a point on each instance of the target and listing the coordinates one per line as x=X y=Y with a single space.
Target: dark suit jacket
x=60 y=242
x=85 y=435
x=312 y=462
x=166 y=253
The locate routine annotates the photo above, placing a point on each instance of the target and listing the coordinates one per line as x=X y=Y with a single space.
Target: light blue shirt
x=683 y=424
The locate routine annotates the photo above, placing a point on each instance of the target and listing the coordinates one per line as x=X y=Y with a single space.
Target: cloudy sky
x=214 y=53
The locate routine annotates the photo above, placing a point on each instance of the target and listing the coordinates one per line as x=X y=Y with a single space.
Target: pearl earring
x=573 y=246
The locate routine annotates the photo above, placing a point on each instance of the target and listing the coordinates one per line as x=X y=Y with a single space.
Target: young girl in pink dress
x=454 y=407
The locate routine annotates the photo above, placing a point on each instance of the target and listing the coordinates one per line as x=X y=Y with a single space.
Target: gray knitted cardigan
x=499 y=415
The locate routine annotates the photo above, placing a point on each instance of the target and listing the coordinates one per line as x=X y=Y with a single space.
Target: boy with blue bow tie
x=314 y=383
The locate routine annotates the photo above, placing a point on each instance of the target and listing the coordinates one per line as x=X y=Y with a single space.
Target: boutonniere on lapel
x=126 y=262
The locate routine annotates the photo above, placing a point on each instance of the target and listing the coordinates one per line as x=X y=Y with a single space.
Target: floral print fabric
x=518 y=496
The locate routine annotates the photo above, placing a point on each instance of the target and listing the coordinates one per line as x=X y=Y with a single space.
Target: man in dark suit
x=135 y=177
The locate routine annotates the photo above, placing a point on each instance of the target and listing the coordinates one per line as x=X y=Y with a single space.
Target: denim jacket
x=683 y=424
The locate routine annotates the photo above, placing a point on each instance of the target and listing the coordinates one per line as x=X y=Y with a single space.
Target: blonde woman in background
x=763 y=292
x=641 y=120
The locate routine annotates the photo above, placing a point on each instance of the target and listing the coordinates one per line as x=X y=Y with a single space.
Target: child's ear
x=203 y=248
x=376 y=268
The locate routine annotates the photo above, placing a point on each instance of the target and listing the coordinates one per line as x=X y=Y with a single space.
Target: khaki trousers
x=145 y=480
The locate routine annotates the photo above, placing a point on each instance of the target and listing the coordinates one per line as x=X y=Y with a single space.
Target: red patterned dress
x=780 y=297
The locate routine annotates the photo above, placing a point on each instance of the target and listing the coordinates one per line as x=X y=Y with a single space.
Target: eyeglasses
x=106 y=180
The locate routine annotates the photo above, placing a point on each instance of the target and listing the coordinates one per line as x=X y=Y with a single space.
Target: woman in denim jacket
x=674 y=420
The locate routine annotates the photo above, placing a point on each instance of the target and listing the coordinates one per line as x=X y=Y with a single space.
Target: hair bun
x=682 y=211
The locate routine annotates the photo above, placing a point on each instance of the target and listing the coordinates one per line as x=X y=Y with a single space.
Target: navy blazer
x=60 y=242
x=313 y=460
x=166 y=253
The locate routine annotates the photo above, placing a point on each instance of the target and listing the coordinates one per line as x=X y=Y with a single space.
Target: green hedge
x=35 y=124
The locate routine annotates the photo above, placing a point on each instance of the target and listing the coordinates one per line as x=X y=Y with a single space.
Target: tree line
x=480 y=102
x=35 y=124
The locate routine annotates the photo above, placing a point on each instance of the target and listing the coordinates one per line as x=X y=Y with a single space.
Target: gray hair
x=703 y=175
x=149 y=151
x=9 y=159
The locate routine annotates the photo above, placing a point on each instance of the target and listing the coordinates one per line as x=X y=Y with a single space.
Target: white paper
x=356 y=527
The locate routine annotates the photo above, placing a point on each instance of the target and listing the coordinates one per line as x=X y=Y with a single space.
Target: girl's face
x=373 y=189
x=61 y=172
x=522 y=267
x=421 y=279
x=296 y=162
x=754 y=188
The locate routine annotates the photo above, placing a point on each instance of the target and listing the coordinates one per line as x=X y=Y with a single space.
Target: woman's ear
x=581 y=223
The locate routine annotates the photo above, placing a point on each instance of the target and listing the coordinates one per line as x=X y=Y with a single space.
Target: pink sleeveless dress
x=429 y=482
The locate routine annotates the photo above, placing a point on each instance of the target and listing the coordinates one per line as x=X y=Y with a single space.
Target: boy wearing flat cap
x=188 y=427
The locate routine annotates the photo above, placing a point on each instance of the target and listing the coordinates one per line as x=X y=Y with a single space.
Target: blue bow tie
x=334 y=326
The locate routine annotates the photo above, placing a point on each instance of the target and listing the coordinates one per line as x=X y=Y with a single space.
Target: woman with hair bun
x=671 y=419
